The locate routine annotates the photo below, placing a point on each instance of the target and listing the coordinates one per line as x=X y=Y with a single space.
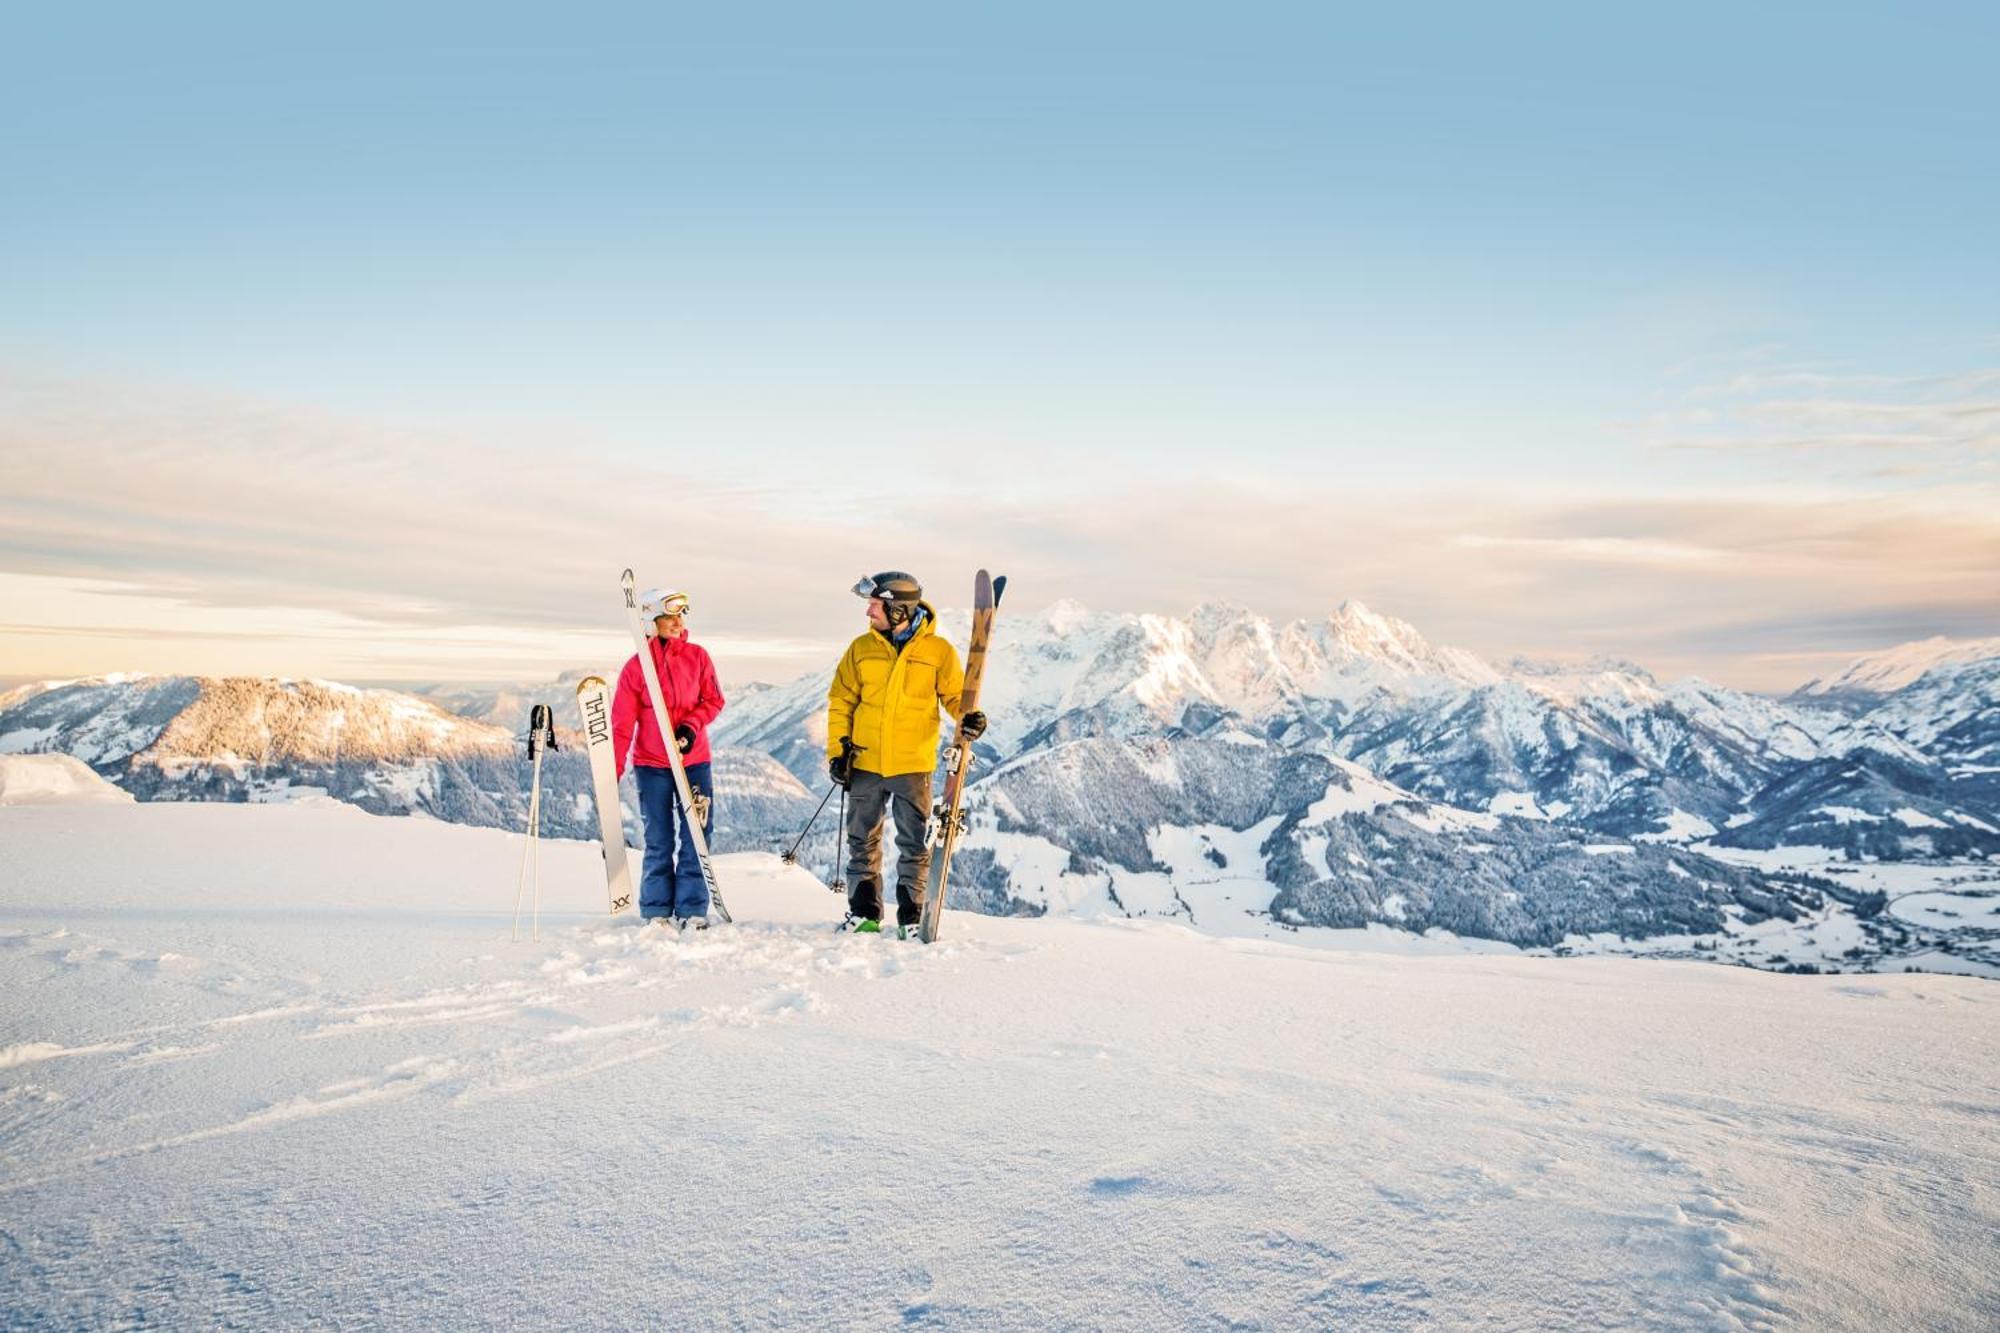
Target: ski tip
x=589 y=683
x=627 y=578
x=986 y=590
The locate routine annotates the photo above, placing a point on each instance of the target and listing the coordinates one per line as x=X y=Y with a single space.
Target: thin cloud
x=1935 y=415
x=442 y=552
x=1827 y=413
x=1835 y=442
x=1757 y=383
x=1601 y=550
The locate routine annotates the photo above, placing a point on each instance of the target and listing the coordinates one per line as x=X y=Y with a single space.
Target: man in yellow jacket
x=882 y=742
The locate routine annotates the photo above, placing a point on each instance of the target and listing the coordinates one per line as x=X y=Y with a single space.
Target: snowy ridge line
x=1891 y=669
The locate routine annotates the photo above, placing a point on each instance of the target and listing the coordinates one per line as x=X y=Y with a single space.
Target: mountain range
x=1602 y=747
x=1216 y=767
x=204 y=738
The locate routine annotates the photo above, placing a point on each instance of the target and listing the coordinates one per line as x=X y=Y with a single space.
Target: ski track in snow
x=524 y=1036
x=360 y=1120
x=774 y=968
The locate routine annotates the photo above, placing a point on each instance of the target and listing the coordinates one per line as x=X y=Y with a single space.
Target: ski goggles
x=666 y=604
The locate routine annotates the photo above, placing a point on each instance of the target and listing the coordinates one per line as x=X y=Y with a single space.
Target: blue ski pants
x=670 y=883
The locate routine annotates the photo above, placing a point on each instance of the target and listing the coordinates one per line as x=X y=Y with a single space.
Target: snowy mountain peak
x=1066 y=616
x=1355 y=632
x=1358 y=650
x=1890 y=669
x=1371 y=634
x=1218 y=615
x=1607 y=672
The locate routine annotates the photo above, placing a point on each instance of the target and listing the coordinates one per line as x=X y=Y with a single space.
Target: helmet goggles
x=660 y=602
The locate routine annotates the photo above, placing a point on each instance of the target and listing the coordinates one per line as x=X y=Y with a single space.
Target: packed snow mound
x=54 y=779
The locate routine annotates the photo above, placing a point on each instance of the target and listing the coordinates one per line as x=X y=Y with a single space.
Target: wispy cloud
x=1754 y=383
x=212 y=524
x=1954 y=418
x=1601 y=550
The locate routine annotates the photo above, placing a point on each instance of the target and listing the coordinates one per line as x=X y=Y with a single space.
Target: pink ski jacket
x=687 y=680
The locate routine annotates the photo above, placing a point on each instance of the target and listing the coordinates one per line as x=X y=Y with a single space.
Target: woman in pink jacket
x=671 y=887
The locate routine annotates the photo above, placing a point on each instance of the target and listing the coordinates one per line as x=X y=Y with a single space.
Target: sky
x=374 y=343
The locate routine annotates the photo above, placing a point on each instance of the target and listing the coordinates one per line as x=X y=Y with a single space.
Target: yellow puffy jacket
x=888 y=701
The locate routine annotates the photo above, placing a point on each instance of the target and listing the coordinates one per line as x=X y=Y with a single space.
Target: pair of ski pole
x=848 y=749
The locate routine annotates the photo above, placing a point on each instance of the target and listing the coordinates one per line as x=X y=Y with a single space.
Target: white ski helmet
x=661 y=602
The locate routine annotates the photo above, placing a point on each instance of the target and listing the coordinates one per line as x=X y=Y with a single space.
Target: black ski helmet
x=898 y=592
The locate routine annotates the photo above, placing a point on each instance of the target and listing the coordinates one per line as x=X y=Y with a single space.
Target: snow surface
x=43 y=779
x=282 y=1066
x=1679 y=826
x=1364 y=793
x=1519 y=804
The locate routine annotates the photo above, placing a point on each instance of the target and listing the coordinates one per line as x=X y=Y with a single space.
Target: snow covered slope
x=50 y=779
x=219 y=738
x=1889 y=670
x=1952 y=715
x=296 y=1074
x=1150 y=822
x=1922 y=778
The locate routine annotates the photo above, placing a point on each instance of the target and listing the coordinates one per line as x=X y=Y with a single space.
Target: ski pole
x=541 y=735
x=791 y=854
x=839 y=884
x=535 y=842
x=528 y=849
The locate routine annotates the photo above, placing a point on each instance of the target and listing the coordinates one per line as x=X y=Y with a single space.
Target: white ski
x=593 y=697
x=666 y=722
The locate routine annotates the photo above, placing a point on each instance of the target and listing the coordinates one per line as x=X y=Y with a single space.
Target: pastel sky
x=372 y=343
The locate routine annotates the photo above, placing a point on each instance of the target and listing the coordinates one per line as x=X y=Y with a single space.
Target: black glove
x=972 y=726
x=841 y=769
x=684 y=736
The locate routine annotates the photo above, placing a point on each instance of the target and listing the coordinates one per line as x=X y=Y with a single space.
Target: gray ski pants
x=908 y=798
